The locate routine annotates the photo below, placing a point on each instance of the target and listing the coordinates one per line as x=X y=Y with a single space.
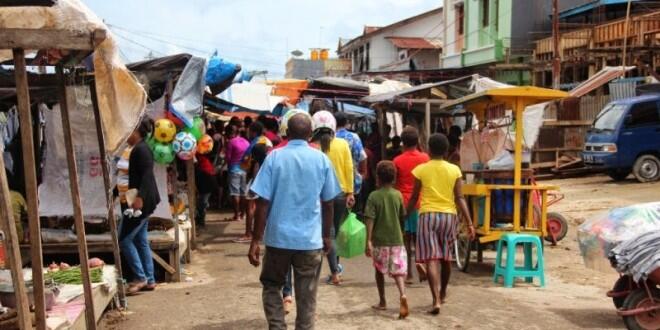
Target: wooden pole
x=517 y=173
x=8 y=226
x=192 y=201
x=381 y=132
x=427 y=123
x=556 y=57
x=30 y=172
x=75 y=199
x=112 y=220
x=625 y=38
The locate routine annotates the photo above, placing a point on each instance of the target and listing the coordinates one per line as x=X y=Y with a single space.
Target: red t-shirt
x=405 y=164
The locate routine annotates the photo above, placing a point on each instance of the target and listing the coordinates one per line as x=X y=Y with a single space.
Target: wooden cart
x=481 y=195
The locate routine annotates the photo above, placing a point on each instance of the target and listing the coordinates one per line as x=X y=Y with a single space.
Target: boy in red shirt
x=410 y=158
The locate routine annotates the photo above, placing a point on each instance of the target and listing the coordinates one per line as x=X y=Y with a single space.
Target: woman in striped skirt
x=439 y=183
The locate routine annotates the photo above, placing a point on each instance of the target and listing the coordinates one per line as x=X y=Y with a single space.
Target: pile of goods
x=599 y=235
x=639 y=256
x=171 y=137
x=64 y=274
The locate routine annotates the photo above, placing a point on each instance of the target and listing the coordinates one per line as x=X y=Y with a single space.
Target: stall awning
x=414 y=43
x=529 y=94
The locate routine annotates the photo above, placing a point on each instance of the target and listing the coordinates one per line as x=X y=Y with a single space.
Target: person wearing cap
x=339 y=153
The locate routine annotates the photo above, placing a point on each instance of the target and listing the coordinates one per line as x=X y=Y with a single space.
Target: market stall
x=62 y=44
x=490 y=109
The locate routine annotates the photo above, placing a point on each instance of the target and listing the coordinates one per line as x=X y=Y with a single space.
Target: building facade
x=297 y=68
x=494 y=37
x=408 y=45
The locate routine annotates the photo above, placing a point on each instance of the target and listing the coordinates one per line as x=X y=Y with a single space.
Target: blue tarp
x=589 y=6
x=355 y=109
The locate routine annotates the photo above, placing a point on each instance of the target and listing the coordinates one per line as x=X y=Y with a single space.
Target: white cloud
x=255 y=33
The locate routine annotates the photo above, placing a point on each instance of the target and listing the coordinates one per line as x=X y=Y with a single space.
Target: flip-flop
x=403 y=308
x=378 y=307
x=243 y=240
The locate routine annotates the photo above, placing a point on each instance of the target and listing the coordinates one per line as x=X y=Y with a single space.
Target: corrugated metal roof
x=414 y=43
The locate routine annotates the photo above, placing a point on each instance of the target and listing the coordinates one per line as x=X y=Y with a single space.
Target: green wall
x=486 y=44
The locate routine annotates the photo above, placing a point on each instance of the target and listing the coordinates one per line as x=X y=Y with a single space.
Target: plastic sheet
x=121 y=98
x=352 y=237
x=599 y=235
x=188 y=95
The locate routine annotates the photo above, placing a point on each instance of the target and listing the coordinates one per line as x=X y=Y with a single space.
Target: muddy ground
x=223 y=291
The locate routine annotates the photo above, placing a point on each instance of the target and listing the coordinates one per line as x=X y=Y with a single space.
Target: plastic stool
x=509 y=272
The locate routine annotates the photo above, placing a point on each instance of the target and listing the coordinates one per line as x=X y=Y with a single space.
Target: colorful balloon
x=205 y=144
x=194 y=131
x=184 y=142
x=199 y=123
x=163 y=153
x=164 y=130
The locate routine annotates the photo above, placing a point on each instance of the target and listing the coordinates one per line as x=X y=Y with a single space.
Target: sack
x=352 y=237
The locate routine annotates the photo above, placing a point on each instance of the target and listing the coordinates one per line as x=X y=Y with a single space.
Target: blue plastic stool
x=509 y=272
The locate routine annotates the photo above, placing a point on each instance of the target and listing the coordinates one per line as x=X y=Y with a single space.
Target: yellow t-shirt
x=438 y=179
x=340 y=156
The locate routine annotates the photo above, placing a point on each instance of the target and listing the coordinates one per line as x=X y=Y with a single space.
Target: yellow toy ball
x=205 y=144
x=164 y=131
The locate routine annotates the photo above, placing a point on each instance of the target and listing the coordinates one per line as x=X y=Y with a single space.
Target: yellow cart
x=515 y=99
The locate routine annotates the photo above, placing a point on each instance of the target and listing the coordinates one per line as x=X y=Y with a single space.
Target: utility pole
x=625 y=38
x=556 y=59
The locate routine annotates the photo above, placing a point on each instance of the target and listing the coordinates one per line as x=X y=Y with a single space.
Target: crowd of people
x=293 y=183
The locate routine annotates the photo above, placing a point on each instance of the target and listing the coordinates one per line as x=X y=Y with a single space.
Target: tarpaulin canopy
x=121 y=98
x=252 y=96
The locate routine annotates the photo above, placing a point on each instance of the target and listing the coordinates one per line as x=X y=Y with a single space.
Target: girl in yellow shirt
x=440 y=185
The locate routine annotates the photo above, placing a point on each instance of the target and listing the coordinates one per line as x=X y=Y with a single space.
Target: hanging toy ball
x=184 y=142
x=164 y=130
x=163 y=153
x=205 y=144
x=197 y=129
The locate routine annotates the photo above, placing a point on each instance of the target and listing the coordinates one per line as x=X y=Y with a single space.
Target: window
x=485 y=9
x=366 y=61
x=643 y=114
x=459 y=20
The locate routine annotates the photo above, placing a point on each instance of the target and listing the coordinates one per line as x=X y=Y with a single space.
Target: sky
x=258 y=34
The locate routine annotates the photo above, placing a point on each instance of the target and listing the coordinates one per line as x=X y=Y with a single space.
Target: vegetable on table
x=73 y=275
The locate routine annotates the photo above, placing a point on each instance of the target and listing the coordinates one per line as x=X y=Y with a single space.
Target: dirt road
x=224 y=292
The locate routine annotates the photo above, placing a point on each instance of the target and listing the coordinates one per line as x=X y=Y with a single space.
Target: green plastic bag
x=352 y=237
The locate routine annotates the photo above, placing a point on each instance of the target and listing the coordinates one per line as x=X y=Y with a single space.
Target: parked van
x=625 y=138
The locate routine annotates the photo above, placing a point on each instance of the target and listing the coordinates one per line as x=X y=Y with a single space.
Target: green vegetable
x=73 y=275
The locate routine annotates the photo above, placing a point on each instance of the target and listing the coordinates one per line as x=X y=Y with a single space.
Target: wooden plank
x=163 y=263
x=112 y=220
x=13 y=252
x=543 y=165
x=76 y=203
x=50 y=39
x=29 y=170
x=192 y=200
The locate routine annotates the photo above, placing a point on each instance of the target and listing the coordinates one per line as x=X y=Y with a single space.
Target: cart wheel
x=462 y=250
x=642 y=321
x=557 y=225
x=624 y=283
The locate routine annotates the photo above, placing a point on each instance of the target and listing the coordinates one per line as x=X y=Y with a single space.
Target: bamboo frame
x=29 y=169
x=7 y=225
x=76 y=202
x=112 y=220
